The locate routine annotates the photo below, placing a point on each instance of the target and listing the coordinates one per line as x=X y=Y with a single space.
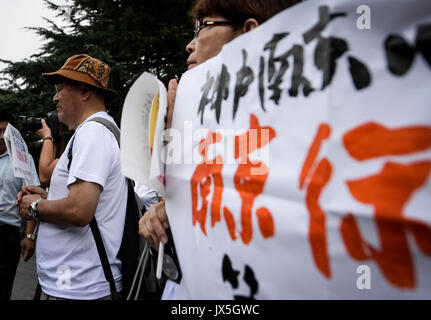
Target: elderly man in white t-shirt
x=68 y=263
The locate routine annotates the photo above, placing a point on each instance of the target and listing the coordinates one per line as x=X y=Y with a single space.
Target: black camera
x=32 y=124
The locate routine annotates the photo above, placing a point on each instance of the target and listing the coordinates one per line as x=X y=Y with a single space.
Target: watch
x=30 y=236
x=32 y=209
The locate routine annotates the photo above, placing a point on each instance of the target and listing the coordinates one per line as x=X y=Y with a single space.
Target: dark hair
x=241 y=10
x=6 y=116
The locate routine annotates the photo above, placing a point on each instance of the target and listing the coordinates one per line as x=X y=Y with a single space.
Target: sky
x=17 y=43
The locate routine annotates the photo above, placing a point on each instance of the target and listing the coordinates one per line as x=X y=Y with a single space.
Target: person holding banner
x=10 y=221
x=216 y=23
x=322 y=190
x=88 y=186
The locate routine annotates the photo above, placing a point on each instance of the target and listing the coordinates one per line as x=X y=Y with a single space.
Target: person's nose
x=191 y=46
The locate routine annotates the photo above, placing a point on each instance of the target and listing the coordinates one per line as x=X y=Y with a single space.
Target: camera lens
x=34 y=124
x=30 y=123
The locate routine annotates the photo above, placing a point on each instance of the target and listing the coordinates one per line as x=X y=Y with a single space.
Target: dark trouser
x=10 y=250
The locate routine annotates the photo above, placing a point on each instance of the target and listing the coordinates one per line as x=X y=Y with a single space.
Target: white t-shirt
x=68 y=263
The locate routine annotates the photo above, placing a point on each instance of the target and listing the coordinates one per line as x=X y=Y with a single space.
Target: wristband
x=50 y=138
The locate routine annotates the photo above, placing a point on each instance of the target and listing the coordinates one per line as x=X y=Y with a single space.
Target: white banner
x=18 y=153
x=331 y=198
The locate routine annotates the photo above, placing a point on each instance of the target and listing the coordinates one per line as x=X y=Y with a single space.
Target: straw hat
x=83 y=68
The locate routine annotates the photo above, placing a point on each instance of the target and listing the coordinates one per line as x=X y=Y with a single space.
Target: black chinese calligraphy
x=327 y=52
x=274 y=66
x=400 y=54
x=250 y=280
x=231 y=275
x=275 y=77
x=330 y=49
x=219 y=90
x=244 y=77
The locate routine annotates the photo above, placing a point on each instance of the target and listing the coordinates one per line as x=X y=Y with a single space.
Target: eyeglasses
x=60 y=85
x=200 y=24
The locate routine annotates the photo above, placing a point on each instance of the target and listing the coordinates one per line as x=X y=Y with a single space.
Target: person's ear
x=249 y=25
x=85 y=92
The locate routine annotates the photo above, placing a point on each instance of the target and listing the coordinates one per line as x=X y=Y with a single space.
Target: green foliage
x=131 y=36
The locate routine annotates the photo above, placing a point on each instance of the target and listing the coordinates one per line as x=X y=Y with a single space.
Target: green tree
x=132 y=36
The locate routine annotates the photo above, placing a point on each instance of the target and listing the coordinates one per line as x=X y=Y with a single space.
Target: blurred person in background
x=10 y=221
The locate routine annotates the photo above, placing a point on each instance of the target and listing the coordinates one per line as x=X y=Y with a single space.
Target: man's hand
x=25 y=203
x=45 y=131
x=28 y=190
x=77 y=209
x=153 y=224
x=27 y=248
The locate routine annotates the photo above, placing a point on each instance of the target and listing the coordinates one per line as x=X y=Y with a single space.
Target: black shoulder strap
x=93 y=224
x=103 y=258
x=69 y=153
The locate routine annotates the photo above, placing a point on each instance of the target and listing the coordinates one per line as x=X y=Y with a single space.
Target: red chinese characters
x=249 y=181
x=387 y=191
x=207 y=173
x=319 y=179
